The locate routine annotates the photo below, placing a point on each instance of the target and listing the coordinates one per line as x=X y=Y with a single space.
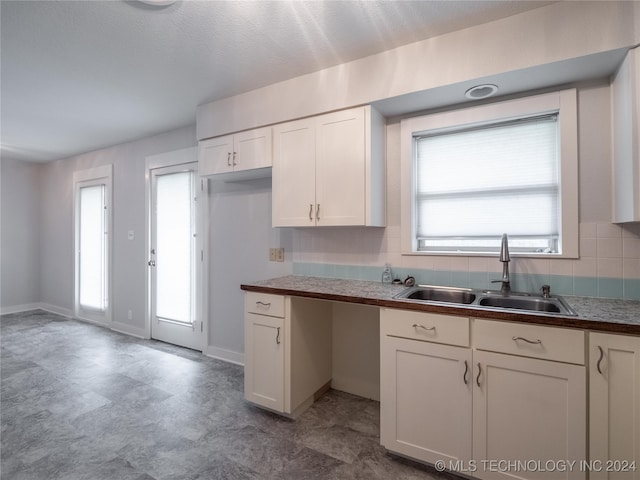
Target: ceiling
x=77 y=76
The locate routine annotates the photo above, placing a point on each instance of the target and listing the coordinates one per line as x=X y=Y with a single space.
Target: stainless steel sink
x=489 y=300
x=429 y=293
x=536 y=304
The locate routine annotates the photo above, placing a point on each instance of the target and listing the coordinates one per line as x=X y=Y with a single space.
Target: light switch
x=130 y=235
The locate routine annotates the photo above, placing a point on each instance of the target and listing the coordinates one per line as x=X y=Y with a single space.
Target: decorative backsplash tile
x=609 y=265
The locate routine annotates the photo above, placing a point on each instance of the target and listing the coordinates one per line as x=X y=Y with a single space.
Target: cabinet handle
x=263 y=304
x=479 y=373
x=600 y=360
x=311 y=211
x=278 y=336
x=228 y=159
x=466 y=370
x=234 y=159
x=417 y=325
x=318 y=211
x=533 y=342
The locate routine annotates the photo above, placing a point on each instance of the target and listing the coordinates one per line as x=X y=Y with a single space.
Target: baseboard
x=47 y=307
x=65 y=312
x=19 y=308
x=224 y=355
x=128 y=330
x=356 y=387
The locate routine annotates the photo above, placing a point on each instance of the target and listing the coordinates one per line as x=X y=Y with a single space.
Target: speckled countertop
x=603 y=314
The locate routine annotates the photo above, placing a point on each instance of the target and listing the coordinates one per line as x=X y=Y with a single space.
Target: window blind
x=473 y=184
x=92 y=248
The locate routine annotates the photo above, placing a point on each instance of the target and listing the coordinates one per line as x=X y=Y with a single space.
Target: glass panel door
x=173 y=256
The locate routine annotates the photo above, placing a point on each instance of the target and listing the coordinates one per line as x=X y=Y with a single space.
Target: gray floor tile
x=80 y=402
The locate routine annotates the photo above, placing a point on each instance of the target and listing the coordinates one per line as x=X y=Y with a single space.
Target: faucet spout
x=504 y=249
x=505 y=258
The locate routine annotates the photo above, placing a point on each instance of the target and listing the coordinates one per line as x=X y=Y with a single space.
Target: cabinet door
x=425 y=400
x=625 y=119
x=340 y=168
x=527 y=410
x=293 y=177
x=614 y=395
x=252 y=149
x=215 y=155
x=264 y=361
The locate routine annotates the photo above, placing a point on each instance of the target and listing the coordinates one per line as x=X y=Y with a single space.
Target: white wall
x=129 y=256
x=37 y=238
x=239 y=240
x=20 y=234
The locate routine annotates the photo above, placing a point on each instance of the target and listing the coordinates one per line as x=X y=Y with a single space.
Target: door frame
x=170 y=159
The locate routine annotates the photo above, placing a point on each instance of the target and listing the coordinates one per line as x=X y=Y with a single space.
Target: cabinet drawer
x=428 y=327
x=264 y=304
x=548 y=343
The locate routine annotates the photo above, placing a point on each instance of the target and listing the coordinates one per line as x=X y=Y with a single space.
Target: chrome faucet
x=505 y=259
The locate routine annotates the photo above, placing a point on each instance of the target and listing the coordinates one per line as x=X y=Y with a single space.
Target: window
x=474 y=174
x=175 y=245
x=92 y=254
x=92 y=243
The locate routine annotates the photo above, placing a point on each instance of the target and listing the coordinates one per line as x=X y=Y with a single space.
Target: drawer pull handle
x=311 y=211
x=533 y=342
x=318 y=212
x=479 y=373
x=268 y=304
x=228 y=159
x=466 y=370
x=417 y=325
x=600 y=360
x=278 y=336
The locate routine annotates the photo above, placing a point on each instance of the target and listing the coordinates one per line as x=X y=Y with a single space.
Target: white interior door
x=173 y=256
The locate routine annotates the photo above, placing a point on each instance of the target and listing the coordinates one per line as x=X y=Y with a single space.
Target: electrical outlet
x=276 y=254
x=129 y=315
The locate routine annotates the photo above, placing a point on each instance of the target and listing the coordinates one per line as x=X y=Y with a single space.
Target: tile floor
x=82 y=402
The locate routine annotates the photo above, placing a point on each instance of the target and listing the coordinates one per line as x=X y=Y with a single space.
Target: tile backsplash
x=609 y=263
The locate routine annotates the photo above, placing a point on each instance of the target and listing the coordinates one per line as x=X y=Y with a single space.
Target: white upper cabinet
x=625 y=105
x=329 y=170
x=293 y=177
x=248 y=152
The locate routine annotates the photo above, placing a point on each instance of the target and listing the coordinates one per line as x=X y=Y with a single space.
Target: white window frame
x=102 y=175
x=564 y=102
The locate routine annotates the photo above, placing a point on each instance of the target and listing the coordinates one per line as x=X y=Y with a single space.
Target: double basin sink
x=487 y=299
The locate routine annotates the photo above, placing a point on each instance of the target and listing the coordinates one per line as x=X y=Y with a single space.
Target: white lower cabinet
x=486 y=414
x=614 y=409
x=531 y=413
x=287 y=351
x=265 y=341
x=426 y=399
